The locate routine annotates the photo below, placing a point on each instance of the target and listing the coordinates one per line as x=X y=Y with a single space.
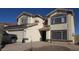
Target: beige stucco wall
x=33 y=33
x=59 y=27
x=31 y=20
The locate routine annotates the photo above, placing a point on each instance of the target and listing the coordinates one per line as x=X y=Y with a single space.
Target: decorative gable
x=22 y=20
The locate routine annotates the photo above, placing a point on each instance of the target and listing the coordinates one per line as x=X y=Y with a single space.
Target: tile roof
x=29 y=14
x=19 y=27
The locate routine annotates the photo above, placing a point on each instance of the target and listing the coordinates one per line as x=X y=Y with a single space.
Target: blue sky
x=10 y=14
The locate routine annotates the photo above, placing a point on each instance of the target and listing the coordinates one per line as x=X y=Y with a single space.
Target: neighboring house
x=57 y=25
x=62 y=26
x=3 y=24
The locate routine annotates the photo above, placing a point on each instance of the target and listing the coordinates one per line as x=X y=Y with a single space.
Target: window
x=36 y=21
x=59 y=34
x=24 y=20
x=58 y=20
x=62 y=20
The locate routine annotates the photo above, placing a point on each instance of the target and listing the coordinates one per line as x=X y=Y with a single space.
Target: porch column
x=48 y=35
x=71 y=28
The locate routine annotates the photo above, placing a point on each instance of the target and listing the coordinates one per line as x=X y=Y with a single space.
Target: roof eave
x=60 y=10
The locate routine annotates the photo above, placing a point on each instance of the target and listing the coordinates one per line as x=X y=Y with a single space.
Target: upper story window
x=24 y=20
x=36 y=21
x=58 y=20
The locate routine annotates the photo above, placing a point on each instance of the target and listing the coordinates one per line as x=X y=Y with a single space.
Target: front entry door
x=43 y=35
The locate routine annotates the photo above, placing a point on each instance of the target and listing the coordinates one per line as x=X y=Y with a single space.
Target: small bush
x=76 y=40
x=76 y=37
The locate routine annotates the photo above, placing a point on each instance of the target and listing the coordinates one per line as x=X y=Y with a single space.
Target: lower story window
x=59 y=34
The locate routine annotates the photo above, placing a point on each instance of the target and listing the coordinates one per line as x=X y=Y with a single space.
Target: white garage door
x=20 y=35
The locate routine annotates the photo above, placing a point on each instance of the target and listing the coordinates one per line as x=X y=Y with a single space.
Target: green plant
x=76 y=37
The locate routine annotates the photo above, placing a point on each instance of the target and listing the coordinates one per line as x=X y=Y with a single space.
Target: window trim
x=61 y=32
x=53 y=19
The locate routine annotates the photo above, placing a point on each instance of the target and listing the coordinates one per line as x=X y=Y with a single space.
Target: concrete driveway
x=24 y=46
x=41 y=46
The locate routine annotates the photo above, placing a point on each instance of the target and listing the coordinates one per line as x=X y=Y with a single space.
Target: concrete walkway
x=69 y=45
x=24 y=46
x=42 y=46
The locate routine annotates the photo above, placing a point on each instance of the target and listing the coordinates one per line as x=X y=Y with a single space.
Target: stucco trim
x=61 y=10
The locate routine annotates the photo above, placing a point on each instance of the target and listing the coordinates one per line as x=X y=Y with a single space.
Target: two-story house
x=61 y=22
x=57 y=25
